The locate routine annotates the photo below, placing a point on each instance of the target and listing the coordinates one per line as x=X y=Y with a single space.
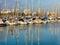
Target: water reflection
x=3 y=34
x=36 y=34
x=54 y=28
x=11 y=30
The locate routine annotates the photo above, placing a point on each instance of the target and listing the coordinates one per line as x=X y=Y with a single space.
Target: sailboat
x=21 y=20
x=29 y=20
x=12 y=19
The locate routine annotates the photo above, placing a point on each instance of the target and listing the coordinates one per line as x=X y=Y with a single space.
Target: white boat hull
x=20 y=22
x=10 y=23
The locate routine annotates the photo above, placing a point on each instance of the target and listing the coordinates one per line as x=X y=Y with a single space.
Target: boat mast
x=39 y=10
x=57 y=12
x=16 y=8
x=38 y=3
x=5 y=5
x=32 y=5
x=29 y=5
x=25 y=4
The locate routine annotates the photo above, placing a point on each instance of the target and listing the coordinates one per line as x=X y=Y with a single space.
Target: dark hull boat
x=3 y=24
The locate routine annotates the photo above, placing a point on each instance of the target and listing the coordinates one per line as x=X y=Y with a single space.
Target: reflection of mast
x=11 y=30
x=32 y=38
x=6 y=35
x=37 y=33
x=38 y=37
x=29 y=31
x=25 y=37
x=17 y=36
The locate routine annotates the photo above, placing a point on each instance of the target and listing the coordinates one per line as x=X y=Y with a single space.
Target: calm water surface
x=33 y=34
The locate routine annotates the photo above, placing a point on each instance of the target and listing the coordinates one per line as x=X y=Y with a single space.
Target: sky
x=43 y=4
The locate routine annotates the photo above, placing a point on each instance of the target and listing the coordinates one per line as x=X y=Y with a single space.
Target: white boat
x=10 y=23
x=37 y=21
x=22 y=22
x=44 y=21
x=30 y=22
x=51 y=21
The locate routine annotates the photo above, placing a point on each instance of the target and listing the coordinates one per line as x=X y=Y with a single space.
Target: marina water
x=31 y=34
